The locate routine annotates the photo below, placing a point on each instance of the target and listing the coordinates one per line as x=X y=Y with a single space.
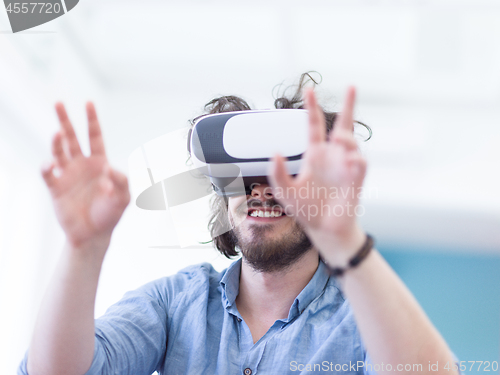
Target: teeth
x=258 y=213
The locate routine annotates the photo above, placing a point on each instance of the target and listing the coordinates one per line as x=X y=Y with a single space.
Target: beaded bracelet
x=355 y=260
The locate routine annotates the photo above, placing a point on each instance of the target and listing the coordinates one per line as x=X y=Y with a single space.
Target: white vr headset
x=234 y=149
x=231 y=152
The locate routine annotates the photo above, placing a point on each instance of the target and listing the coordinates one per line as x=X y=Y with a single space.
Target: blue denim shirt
x=188 y=324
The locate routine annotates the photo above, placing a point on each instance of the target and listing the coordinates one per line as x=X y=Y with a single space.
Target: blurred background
x=428 y=80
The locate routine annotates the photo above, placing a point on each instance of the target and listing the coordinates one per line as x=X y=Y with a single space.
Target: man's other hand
x=89 y=196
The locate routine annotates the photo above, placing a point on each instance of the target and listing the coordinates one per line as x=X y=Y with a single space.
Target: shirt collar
x=230 y=283
x=312 y=290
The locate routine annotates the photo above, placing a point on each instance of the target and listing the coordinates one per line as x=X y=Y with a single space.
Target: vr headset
x=234 y=149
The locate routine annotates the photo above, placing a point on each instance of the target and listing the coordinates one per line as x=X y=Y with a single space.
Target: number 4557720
x=472 y=365
x=33 y=8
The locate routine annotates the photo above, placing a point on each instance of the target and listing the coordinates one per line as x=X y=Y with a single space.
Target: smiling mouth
x=255 y=212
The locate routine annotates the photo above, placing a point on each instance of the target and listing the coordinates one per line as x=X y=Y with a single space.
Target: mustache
x=257 y=203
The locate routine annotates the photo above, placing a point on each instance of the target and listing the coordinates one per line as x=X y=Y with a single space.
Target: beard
x=265 y=253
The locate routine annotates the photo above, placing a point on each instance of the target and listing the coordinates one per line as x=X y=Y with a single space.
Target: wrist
x=338 y=249
x=360 y=256
x=92 y=250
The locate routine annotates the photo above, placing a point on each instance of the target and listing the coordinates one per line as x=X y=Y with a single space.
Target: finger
x=345 y=139
x=317 y=127
x=48 y=175
x=58 y=151
x=345 y=120
x=120 y=181
x=280 y=179
x=357 y=163
x=118 y=178
x=68 y=131
x=95 y=135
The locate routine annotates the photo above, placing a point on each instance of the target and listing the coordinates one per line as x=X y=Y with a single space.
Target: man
x=282 y=308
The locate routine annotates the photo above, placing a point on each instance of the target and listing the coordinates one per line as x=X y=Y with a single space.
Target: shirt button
x=239 y=320
x=247 y=371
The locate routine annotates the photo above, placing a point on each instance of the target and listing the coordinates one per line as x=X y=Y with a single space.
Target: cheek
x=231 y=206
x=234 y=203
x=235 y=218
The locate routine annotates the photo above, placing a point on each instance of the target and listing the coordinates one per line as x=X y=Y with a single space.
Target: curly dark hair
x=226 y=242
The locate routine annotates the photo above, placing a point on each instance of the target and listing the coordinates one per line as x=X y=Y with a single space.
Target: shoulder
x=193 y=280
x=163 y=294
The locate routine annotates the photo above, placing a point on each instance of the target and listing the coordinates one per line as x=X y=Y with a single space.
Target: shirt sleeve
x=130 y=338
x=22 y=369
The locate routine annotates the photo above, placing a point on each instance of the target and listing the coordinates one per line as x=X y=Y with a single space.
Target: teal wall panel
x=460 y=292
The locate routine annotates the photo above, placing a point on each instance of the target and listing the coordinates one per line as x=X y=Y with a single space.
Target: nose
x=263 y=191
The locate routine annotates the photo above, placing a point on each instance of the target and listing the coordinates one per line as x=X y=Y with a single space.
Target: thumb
x=279 y=179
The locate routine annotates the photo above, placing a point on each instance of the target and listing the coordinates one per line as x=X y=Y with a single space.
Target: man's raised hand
x=332 y=174
x=89 y=196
